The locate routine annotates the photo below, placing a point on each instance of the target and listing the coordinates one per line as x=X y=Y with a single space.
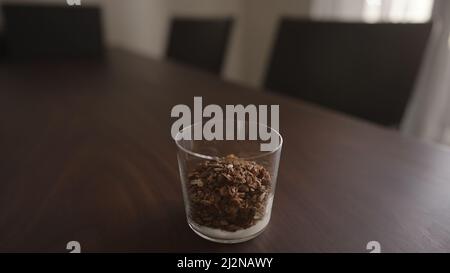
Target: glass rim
x=178 y=138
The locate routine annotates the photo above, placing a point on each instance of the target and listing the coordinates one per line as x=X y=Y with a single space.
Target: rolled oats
x=228 y=193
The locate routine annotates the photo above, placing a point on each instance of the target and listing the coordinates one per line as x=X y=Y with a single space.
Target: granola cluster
x=229 y=193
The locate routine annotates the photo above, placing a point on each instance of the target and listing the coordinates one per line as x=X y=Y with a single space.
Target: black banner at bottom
x=225 y=262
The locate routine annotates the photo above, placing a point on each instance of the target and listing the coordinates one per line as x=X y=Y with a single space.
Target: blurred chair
x=365 y=70
x=2 y=46
x=199 y=42
x=52 y=31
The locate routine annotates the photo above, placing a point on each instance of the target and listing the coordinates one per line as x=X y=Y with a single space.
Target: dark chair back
x=2 y=46
x=366 y=70
x=199 y=42
x=52 y=31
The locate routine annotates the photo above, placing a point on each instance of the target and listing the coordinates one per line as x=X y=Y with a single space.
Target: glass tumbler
x=228 y=185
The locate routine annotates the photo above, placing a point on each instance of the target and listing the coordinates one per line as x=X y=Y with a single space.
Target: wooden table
x=86 y=155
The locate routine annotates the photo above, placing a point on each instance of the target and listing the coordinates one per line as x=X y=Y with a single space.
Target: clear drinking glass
x=228 y=185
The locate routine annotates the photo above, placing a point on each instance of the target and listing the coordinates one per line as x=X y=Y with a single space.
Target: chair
x=52 y=31
x=199 y=42
x=2 y=46
x=365 y=70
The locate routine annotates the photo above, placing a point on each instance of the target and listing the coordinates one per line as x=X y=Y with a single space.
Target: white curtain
x=373 y=10
x=428 y=116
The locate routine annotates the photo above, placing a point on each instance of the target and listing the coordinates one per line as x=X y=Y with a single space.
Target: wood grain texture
x=86 y=155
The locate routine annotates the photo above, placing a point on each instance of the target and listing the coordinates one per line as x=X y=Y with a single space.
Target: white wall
x=253 y=31
x=138 y=25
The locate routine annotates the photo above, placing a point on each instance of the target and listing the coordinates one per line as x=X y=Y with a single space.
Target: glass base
x=227 y=240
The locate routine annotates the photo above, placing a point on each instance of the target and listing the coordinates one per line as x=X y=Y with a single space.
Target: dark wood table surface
x=86 y=155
